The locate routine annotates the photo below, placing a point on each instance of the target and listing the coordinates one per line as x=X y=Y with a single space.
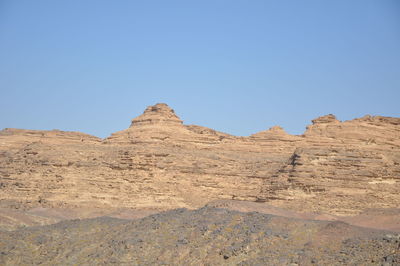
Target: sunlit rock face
x=157 y=114
x=158 y=162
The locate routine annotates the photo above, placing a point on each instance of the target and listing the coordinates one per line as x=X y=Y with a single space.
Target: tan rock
x=159 y=163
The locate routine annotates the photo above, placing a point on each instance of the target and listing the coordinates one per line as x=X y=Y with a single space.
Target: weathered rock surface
x=208 y=236
x=158 y=163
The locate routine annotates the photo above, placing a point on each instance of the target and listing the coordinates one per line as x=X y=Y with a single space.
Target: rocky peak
x=277 y=129
x=325 y=119
x=275 y=132
x=379 y=120
x=160 y=113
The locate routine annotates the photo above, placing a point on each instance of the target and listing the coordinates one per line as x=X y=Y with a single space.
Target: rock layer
x=159 y=163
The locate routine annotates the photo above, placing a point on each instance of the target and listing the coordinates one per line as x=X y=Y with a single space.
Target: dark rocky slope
x=207 y=236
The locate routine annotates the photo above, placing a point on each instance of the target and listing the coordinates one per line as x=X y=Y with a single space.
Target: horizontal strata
x=158 y=162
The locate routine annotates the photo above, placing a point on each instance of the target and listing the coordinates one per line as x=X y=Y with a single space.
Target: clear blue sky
x=235 y=66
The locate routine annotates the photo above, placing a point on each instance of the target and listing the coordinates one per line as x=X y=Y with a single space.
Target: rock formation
x=208 y=236
x=342 y=168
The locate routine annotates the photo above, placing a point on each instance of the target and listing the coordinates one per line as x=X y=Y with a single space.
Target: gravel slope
x=207 y=236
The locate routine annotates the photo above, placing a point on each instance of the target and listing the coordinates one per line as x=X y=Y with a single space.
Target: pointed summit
x=277 y=129
x=275 y=132
x=325 y=119
x=160 y=113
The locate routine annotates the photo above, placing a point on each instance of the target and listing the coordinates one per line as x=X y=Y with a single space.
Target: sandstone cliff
x=160 y=163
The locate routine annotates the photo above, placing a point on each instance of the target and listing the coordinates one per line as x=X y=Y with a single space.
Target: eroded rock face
x=157 y=114
x=160 y=163
x=325 y=119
